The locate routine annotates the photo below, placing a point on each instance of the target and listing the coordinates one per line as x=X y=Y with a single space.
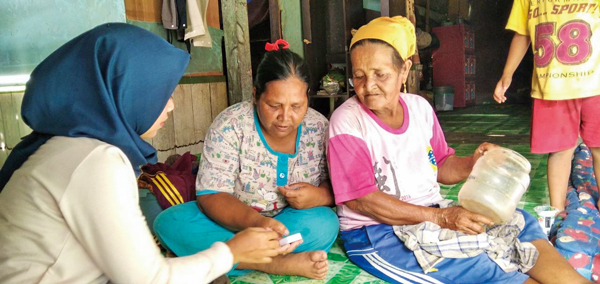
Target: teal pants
x=184 y=230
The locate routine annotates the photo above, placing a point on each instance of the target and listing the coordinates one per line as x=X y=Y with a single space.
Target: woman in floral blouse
x=263 y=165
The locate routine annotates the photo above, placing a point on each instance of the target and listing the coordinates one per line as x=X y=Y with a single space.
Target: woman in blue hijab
x=69 y=208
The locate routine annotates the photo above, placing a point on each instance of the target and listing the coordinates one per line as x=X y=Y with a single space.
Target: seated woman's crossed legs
x=185 y=230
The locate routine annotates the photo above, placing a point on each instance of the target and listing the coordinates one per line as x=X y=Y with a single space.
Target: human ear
x=405 y=70
x=406 y=66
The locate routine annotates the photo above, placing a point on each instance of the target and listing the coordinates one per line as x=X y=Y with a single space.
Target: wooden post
x=306 y=22
x=309 y=49
x=384 y=8
x=390 y=8
x=237 y=50
x=275 y=20
x=427 y=12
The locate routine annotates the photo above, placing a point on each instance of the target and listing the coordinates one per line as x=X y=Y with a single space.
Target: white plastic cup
x=546 y=215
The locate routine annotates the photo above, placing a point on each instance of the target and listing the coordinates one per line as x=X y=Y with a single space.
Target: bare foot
x=310 y=264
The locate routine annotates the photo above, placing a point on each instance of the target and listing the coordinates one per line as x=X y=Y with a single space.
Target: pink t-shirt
x=365 y=155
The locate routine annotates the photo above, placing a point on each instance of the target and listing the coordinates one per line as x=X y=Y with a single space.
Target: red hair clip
x=275 y=46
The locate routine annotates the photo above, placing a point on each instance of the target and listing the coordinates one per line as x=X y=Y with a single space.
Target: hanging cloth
x=174 y=17
x=197 y=29
x=169 y=14
x=113 y=97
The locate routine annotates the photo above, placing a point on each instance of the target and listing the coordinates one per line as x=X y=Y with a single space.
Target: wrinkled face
x=376 y=80
x=160 y=121
x=282 y=106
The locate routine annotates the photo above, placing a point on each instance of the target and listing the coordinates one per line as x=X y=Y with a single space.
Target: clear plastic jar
x=496 y=184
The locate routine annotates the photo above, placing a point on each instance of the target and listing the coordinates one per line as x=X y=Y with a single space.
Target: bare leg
x=596 y=158
x=559 y=170
x=311 y=264
x=552 y=267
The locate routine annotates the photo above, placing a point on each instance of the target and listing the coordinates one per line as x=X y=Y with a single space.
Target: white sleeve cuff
x=222 y=257
x=202 y=267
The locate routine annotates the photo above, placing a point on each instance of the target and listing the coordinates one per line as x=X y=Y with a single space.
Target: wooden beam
x=385 y=8
x=237 y=50
x=143 y=10
x=275 y=20
x=390 y=8
x=306 y=22
x=427 y=12
x=212 y=14
x=314 y=17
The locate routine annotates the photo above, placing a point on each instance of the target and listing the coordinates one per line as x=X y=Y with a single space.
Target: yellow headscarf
x=397 y=31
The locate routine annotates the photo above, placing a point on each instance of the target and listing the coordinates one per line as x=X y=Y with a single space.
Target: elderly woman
x=387 y=154
x=264 y=166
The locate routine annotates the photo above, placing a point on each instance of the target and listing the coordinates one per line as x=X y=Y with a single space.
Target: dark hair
x=396 y=59
x=279 y=65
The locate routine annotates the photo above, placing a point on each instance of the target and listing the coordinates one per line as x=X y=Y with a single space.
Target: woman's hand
x=288 y=248
x=301 y=195
x=256 y=245
x=480 y=151
x=271 y=224
x=460 y=219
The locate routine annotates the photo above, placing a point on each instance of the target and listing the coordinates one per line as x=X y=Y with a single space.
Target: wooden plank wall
x=12 y=127
x=237 y=50
x=196 y=105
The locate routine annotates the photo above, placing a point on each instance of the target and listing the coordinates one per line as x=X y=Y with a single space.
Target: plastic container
x=443 y=97
x=546 y=215
x=496 y=184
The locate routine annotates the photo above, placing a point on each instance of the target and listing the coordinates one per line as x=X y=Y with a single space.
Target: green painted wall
x=291 y=24
x=204 y=59
x=374 y=5
x=30 y=30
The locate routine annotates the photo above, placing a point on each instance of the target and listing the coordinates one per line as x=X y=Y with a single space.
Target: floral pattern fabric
x=236 y=159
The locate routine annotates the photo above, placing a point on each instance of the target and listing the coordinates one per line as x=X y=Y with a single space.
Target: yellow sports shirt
x=565 y=46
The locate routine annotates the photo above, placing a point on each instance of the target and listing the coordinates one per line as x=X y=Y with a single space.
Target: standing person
x=387 y=153
x=263 y=165
x=565 y=82
x=69 y=209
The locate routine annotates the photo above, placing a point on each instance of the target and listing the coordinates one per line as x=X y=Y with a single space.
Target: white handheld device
x=290 y=239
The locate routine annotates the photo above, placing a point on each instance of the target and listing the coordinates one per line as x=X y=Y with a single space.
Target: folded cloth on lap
x=431 y=244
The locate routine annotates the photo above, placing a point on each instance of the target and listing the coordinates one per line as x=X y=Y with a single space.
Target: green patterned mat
x=465 y=129
x=505 y=125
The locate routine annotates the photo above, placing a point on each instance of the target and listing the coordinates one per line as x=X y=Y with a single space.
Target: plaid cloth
x=431 y=244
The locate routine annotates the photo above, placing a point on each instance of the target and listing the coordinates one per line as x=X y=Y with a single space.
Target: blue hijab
x=110 y=83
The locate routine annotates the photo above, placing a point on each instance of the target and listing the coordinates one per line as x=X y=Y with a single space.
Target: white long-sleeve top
x=70 y=214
